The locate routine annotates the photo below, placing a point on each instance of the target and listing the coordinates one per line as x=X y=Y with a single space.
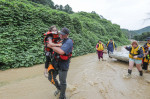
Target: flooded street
x=87 y=78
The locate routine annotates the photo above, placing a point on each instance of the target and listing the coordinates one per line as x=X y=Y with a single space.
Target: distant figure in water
x=100 y=49
x=111 y=46
x=135 y=56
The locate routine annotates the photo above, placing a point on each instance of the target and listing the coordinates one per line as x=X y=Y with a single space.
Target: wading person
x=62 y=61
x=100 y=49
x=146 y=50
x=111 y=46
x=135 y=56
x=146 y=58
x=51 y=37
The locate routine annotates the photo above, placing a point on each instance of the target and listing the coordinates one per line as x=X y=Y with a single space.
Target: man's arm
x=51 y=44
x=106 y=44
x=141 y=53
x=128 y=48
x=58 y=50
x=65 y=48
x=96 y=46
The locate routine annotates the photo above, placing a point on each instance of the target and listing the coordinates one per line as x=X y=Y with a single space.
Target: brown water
x=88 y=78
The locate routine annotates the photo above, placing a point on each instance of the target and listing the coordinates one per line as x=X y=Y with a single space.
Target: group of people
x=100 y=48
x=139 y=56
x=58 y=52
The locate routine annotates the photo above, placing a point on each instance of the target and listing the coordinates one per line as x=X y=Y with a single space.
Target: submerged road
x=87 y=78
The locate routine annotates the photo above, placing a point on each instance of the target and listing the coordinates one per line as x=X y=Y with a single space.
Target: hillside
x=23 y=23
x=142 y=37
x=131 y=33
x=140 y=31
x=128 y=33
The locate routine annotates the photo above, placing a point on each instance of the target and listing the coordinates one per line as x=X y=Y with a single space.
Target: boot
x=56 y=92
x=141 y=73
x=62 y=96
x=129 y=71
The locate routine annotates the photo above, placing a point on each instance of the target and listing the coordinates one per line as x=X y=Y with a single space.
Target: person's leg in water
x=63 y=83
x=138 y=66
x=101 y=55
x=52 y=78
x=98 y=52
x=110 y=52
x=145 y=66
x=46 y=65
x=131 y=64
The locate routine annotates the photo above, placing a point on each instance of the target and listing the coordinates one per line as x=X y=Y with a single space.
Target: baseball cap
x=64 y=31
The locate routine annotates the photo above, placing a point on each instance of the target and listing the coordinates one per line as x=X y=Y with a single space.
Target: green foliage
x=66 y=8
x=49 y=3
x=23 y=23
x=142 y=37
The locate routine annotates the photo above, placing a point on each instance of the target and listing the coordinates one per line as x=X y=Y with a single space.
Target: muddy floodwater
x=87 y=78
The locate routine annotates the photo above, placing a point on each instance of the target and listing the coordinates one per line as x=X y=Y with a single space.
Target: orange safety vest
x=66 y=57
x=55 y=39
x=146 y=59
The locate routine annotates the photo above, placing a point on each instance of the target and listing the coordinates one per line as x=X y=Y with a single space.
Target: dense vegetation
x=51 y=4
x=131 y=33
x=142 y=37
x=22 y=24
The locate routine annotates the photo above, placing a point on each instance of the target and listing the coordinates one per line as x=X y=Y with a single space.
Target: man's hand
x=49 y=45
x=60 y=44
x=58 y=50
x=135 y=57
x=125 y=47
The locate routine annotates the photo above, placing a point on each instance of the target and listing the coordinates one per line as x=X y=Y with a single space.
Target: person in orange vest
x=51 y=37
x=100 y=49
x=135 y=57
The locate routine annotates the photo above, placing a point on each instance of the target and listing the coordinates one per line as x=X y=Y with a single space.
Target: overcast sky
x=129 y=14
